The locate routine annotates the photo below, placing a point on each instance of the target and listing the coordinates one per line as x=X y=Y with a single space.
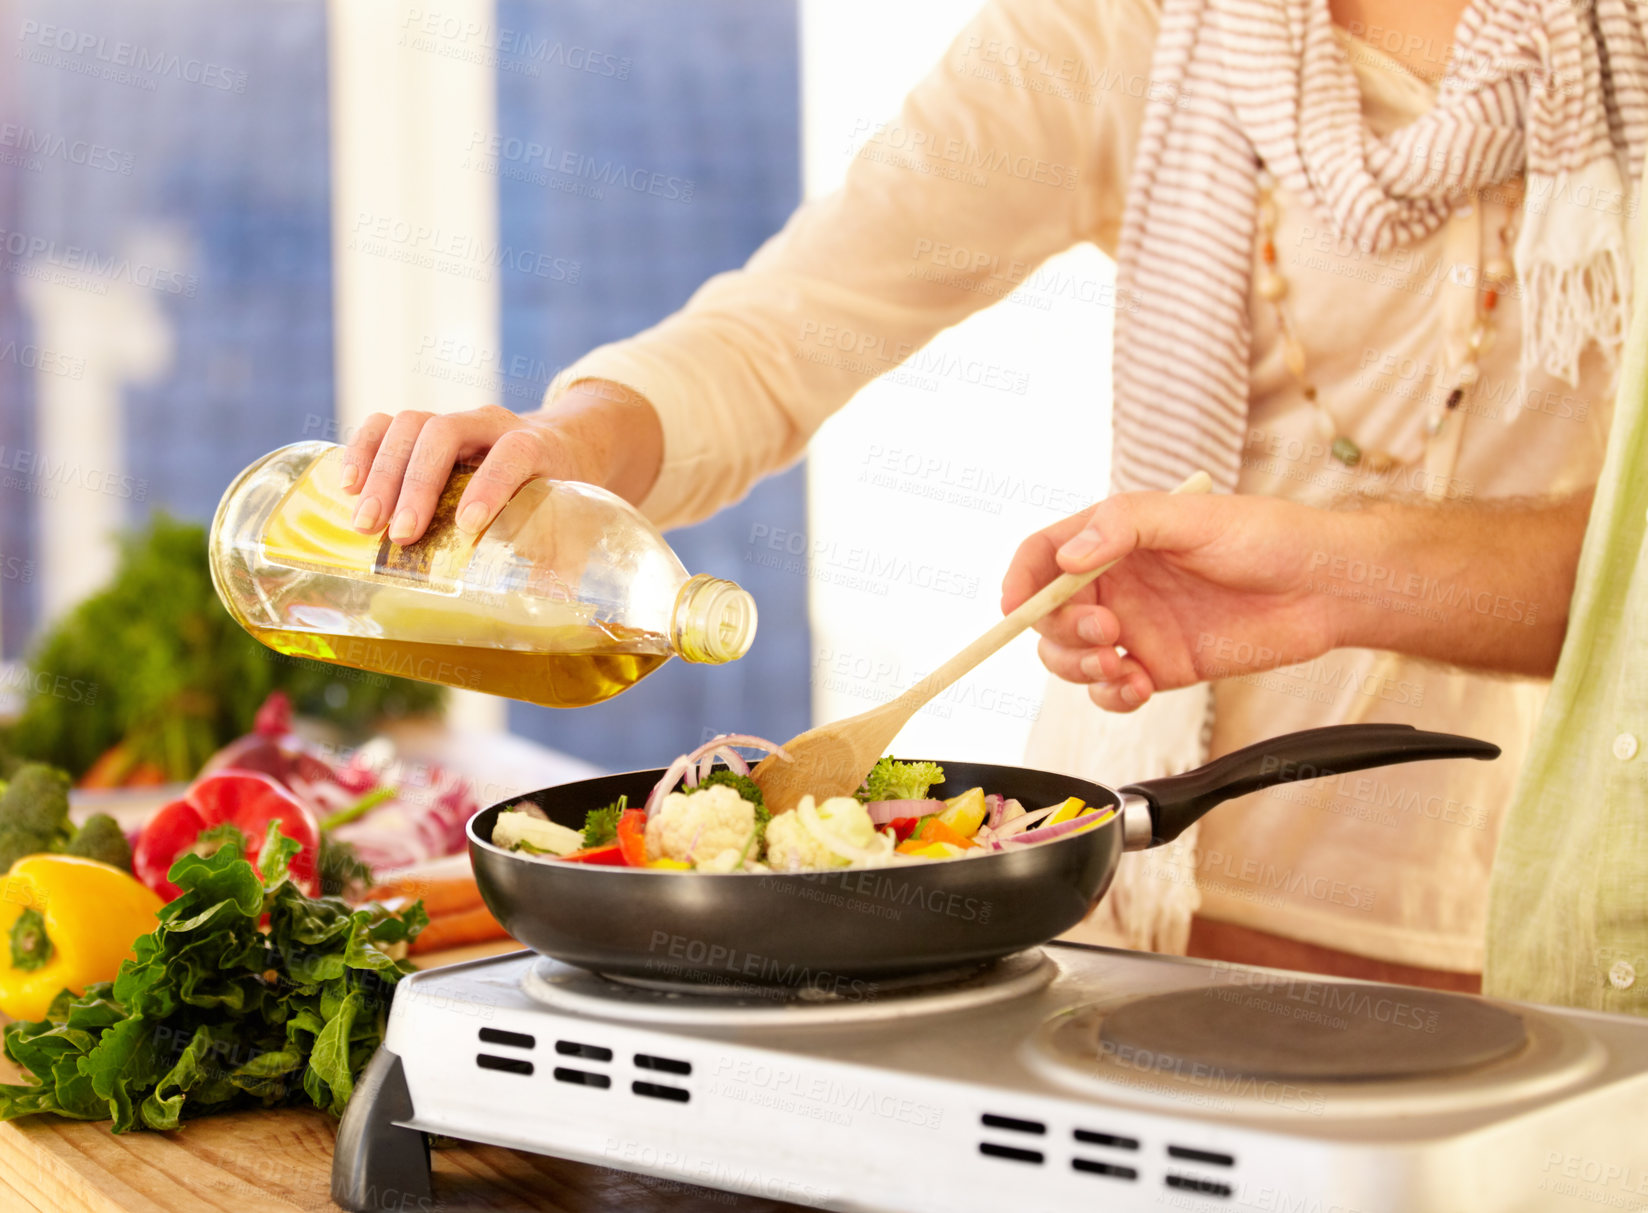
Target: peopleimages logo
x=453 y=252
x=529 y=156
x=25 y=681
x=46 y=361
x=463 y=38
x=29 y=147
x=844 y=1097
x=976 y=161
x=35 y=472
x=81 y=260
x=765 y=971
x=51 y=43
x=1385 y=579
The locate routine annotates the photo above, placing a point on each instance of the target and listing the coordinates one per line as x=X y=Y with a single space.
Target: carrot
x=110 y=769
x=440 y=896
x=145 y=775
x=454 y=930
x=119 y=766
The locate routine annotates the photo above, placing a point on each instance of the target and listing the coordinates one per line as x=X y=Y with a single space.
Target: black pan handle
x=1178 y=801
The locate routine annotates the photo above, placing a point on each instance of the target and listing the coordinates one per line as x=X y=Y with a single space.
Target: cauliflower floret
x=800 y=840
x=846 y=819
x=701 y=825
x=791 y=847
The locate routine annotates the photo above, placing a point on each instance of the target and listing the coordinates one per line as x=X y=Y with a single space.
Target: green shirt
x=1568 y=909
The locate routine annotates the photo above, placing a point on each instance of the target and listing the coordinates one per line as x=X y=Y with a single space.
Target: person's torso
x=1392 y=863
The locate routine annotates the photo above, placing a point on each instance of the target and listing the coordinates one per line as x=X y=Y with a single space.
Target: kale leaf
x=213 y=1013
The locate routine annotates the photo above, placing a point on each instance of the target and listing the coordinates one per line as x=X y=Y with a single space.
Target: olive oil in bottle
x=556 y=679
x=569 y=598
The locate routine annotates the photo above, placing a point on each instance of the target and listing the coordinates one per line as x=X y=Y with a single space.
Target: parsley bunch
x=152 y=661
x=601 y=825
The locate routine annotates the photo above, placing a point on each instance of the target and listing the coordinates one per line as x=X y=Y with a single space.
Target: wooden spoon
x=833 y=759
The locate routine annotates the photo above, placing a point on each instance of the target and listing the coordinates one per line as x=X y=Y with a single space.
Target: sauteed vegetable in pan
x=709 y=818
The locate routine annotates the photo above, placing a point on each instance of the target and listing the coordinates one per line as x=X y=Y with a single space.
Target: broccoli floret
x=601 y=825
x=34 y=813
x=34 y=818
x=102 y=839
x=745 y=787
x=891 y=779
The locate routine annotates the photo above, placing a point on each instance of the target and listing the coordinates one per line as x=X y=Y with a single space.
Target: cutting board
x=281 y=1162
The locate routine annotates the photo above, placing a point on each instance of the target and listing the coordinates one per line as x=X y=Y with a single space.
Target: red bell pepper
x=609 y=855
x=243 y=799
x=902 y=827
x=632 y=837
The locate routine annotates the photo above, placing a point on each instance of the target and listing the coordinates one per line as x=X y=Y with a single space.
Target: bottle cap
x=714 y=621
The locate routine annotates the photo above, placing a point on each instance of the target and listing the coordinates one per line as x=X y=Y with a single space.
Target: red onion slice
x=1075 y=824
x=688 y=765
x=996 y=806
x=1020 y=824
x=884 y=811
x=666 y=785
x=739 y=739
x=733 y=759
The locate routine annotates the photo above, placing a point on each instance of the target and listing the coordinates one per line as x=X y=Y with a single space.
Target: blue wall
x=700 y=104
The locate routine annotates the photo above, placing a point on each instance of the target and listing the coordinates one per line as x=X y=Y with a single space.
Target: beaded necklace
x=1496 y=278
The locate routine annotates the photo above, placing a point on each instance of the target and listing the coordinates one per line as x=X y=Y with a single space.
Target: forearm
x=1481 y=586
x=615 y=432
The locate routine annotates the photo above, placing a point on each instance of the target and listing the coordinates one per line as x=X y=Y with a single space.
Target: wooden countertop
x=281 y=1162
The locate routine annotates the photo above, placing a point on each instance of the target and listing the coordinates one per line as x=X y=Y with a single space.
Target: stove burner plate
x=1251 y=1050
x=566 y=988
x=1316 y=1031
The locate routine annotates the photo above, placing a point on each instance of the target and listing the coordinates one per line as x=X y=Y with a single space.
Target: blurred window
x=165 y=300
x=167 y=273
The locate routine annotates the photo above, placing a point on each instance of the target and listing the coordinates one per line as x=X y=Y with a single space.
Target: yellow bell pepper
x=965 y=813
x=65 y=922
x=1068 y=811
x=673 y=865
x=932 y=850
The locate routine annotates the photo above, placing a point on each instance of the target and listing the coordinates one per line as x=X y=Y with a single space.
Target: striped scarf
x=1553 y=89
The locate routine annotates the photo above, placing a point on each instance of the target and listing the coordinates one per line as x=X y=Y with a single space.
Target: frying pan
x=823 y=929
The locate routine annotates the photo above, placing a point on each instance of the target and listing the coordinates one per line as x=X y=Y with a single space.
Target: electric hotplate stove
x=1062 y=1077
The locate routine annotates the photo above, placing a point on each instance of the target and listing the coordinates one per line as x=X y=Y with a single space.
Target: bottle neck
x=713 y=622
